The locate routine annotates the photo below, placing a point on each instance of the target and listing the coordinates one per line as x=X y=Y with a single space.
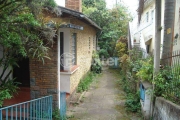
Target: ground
x=103 y=101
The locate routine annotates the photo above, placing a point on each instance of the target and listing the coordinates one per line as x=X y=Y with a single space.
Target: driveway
x=103 y=101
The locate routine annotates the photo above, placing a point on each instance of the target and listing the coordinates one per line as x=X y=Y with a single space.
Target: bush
x=133 y=102
x=56 y=114
x=103 y=53
x=85 y=83
x=96 y=64
x=7 y=89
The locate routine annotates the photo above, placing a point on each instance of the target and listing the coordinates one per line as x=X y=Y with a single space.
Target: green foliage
x=23 y=33
x=133 y=102
x=56 y=114
x=146 y=70
x=23 y=28
x=7 y=90
x=85 y=82
x=103 y=53
x=4 y=95
x=96 y=66
x=167 y=83
x=121 y=49
x=113 y=22
x=124 y=63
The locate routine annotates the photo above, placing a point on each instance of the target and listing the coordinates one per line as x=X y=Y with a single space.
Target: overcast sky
x=131 y=4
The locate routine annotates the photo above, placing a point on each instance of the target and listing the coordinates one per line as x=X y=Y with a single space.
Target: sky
x=131 y=4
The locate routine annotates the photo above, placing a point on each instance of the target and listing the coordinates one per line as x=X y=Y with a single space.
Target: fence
x=38 y=109
x=172 y=62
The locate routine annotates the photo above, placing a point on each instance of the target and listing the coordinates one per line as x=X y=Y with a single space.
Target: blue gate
x=142 y=92
x=37 y=109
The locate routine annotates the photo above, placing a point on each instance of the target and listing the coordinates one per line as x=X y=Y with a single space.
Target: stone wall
x=44 y=77
x=166 y=110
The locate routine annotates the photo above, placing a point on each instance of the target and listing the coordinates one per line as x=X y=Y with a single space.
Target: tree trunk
x=169 y=17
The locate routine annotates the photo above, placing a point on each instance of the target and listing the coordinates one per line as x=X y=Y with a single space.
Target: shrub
x=96 y=64
x=146 y=70
x=7 y=89
x=133 y=102
x=103 y=53
x=85 y=83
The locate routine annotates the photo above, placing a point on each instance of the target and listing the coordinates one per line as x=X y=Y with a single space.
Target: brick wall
x=44 y=77
x=74 y=5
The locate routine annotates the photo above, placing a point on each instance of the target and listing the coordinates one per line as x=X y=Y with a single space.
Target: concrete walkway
x=103 y=101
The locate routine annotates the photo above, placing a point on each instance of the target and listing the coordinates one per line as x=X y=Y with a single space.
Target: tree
x=113 y=22
x=23 y=33
x=121 y=46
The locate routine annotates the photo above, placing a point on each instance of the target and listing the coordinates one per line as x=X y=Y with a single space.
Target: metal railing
x=171 y=61
x=37 y=109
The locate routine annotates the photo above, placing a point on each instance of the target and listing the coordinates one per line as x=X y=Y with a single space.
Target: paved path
x=103 y=101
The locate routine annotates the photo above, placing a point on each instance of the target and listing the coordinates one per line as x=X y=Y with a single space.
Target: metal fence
x=38 y=109
x=172 y=61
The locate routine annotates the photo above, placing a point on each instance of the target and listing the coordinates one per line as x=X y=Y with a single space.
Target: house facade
x=143 y=31
x=70 y=55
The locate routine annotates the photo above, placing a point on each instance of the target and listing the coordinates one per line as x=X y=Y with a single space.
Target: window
x=94 y=42
x=152 y=14
x=148 y=48
x=147 y=16
x=73 y=48
x=89 y=43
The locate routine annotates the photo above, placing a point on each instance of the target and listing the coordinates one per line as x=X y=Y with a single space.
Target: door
x=22 y=74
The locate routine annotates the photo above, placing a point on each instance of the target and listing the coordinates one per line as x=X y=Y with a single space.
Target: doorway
x=22 y=73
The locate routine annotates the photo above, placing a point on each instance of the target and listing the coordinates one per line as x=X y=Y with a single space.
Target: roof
x=78 y=15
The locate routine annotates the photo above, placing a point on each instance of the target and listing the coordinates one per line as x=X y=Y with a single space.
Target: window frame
x=74 y=48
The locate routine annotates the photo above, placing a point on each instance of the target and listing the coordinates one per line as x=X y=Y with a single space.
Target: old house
x=71 y=56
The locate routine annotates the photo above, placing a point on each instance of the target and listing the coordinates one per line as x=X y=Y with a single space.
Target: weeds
x=85 y=82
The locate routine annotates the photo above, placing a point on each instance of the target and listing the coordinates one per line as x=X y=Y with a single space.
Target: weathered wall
x=166 y=110
x=44 y=77
x=74 y=5
x=85 y=49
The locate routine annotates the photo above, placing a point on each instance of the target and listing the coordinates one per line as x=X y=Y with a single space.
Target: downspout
x=58 y=68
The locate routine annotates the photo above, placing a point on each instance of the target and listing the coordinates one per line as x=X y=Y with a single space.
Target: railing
x=171 y=62
x=38 y=109
x=147 y=3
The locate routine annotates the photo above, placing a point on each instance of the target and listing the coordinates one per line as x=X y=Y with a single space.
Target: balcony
x=147 y=3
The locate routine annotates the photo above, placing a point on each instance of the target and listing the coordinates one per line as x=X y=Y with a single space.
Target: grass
x=86 y=82
x=122 y=96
